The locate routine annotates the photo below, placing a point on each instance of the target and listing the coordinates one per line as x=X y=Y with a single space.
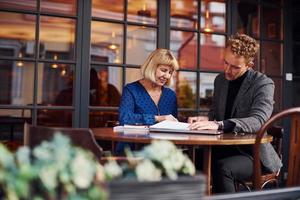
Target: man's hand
x=201 y=125
x=197 y=119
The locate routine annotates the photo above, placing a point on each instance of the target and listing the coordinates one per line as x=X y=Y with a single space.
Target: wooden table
x=206 y=141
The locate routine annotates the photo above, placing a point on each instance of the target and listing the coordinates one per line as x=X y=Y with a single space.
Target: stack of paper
x=131 y=129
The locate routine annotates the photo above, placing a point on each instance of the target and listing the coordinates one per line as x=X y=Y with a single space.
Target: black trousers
x=228 y=165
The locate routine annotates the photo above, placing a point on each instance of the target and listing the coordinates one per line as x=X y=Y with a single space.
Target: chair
x=82 y=137
x=293 y=178
x=268 y=177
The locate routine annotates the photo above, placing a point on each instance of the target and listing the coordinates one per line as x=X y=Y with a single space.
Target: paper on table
x=131 y=129
x=171 y=125
x=179 y=127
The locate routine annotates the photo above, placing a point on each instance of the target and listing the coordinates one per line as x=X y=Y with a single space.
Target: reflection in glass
x=141 y=41
x=17 y=35
x=107 y=42
x=272 y=23
x=185 y=87
x=49 y=117
x=271 y=58
x=103 y=118
x=105 y=86
x=57 y=35
x=212 y=50
x=16 y=82
x=55 y=84
x=184 y=46
x=213 y=16
x=133 y=74
x=296 y=60
x=278 y=94
x=108 y=9
x=247 y=20
x=68 y=7
x=142 y=11
x=206 y=89
x=19 y=4
x=184 y=13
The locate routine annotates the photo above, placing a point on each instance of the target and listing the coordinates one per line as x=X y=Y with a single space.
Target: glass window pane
x=103 y=118
x=68 y=7
x=211 y=50
x=271 y=58
x=55 y=84
x=272 y=23
x=19 y=4
x=105 y=86
x=247 y=20
x=273 y=2
x=206 y=89
x=277 y=94
x=107 y=42
x=184 y=13
x=296 y=60
x=213 y=15
x=184 y=115
x=112 y=9
x=142 y=11
x=61 y=118
x=184 y=46
x=57 y=35
x=141 y=41
x=185 y=87
x=16 y=82
x=296 y=92
x=17 y=35
x=133 y=74
x=295 y=26
x=11 y=125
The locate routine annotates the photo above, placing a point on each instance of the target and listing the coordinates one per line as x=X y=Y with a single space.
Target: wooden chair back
x=82 y=137
x=293 y=178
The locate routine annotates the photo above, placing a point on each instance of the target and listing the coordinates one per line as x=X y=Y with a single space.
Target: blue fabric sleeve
x=126 y=111
x=228 y=126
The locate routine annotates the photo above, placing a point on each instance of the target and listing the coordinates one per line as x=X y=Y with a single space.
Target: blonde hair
x=158 y=57
x=243 y=45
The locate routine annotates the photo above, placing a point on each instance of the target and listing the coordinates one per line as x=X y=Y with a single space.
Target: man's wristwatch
x=220 y=125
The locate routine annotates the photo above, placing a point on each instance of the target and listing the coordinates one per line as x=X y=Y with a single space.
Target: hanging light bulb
x=54 y=65
x=20 y=63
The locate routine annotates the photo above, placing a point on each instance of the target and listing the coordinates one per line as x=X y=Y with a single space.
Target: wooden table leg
x=207 y=166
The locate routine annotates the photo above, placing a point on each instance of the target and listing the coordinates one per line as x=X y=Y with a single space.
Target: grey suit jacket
x=253 y=106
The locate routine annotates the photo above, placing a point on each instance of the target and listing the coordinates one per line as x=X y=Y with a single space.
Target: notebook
x=179 y=127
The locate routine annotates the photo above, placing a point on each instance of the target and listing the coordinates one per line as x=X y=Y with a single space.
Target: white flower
x=23 y=155
x=158 y=150
x=177 y=160
x=83 y=170
x=146 y=171
x=48 y=176
x=189 y=167
x=112 y=169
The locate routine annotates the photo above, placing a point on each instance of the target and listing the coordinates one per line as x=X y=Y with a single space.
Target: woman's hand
x=160 y=118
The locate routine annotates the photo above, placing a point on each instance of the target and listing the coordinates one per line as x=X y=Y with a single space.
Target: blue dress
x=137 y=107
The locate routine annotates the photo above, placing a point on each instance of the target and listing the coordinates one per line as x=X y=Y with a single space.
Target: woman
x=147 y=101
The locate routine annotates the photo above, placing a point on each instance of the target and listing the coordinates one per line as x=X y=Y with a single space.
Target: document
x=178 y=127
x=132 y=129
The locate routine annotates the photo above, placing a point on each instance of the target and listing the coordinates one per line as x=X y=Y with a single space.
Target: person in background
x=242 y=103
x=147 y=101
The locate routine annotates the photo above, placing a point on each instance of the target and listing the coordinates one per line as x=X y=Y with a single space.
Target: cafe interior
x=64 y=64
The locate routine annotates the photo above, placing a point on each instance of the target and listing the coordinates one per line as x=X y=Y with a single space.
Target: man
x=242 y=103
